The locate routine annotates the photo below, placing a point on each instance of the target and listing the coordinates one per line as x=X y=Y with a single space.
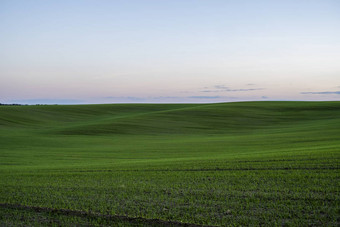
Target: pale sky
x=168 y=51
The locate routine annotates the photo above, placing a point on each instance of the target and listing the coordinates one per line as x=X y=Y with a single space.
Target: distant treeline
x=17 y=104
x=12 y=104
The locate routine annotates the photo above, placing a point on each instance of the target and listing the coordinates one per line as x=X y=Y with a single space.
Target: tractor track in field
x=114 y=218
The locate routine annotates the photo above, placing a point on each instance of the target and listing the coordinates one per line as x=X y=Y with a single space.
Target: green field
x=246 y=163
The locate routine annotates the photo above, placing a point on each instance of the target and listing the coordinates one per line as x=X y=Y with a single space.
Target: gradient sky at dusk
x=165 y=51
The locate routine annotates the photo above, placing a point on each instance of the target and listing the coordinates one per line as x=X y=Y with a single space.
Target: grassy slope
x=217 y=164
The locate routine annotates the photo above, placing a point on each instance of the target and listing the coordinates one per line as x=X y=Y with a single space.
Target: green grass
x=247 y=163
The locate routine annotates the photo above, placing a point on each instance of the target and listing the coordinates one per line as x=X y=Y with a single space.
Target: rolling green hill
x=246 y=163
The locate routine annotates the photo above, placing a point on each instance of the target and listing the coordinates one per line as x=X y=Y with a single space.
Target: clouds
x=127 y=98
x=322 y=93
x=210 y=94
x=205 y=97
x=167 y=99
x=139 y=99
x=223 y=88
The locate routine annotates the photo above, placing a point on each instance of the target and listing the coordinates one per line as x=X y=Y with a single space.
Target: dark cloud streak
x=233 y=90
x=221 y=87
x=322 y=93
x=205 y=97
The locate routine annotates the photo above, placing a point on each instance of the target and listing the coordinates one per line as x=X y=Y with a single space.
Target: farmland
x=246 y=163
